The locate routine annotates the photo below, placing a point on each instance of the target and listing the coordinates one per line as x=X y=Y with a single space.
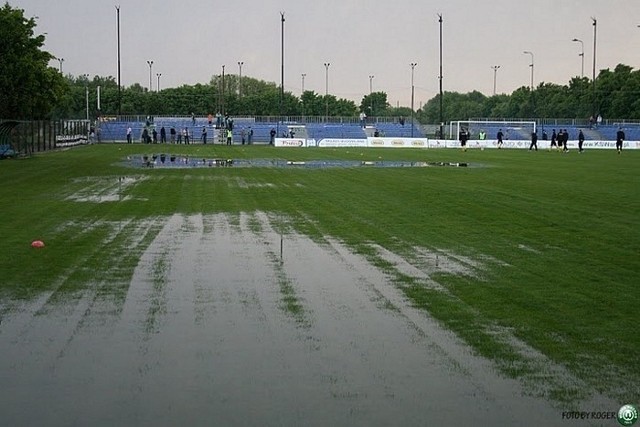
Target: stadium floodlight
x=158 y=86
x=60 y=60
x=326 y=90
x=413 y=65
x=581 y=54
x=240 y=64
x=593 y=80
x=150 y=63
x=530 y=65
x=495 y=72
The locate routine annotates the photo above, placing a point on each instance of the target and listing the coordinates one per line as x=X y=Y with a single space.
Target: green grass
x=566 y=225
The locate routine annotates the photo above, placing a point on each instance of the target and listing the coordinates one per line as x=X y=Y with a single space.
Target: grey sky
x=190 y=40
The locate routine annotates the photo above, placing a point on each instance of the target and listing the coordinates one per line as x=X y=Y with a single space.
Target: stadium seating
x=396 y=130
x=117 y=130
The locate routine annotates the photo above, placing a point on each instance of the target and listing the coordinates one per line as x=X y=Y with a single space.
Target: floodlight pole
x=158 y=86
x=240 y=64
x=119 y=86
x=495 y=73
x=581 y=54
x=150 y=63
x=302 y=93
x=222 y=91
x=530 y=65
x=282 y=21
x=413 y=65
x=371 y=92
x=60 y=60
x=441 y=136
x=86 y=93
x=326 y=90
x=593 y=80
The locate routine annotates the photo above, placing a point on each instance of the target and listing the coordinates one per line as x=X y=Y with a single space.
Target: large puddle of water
x=178 y=161
x=227 y=322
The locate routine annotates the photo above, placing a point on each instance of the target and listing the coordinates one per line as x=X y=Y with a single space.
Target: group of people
x=558 y=139
x=150 y=134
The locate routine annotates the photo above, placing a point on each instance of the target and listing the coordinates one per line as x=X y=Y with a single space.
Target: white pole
x=98 y=93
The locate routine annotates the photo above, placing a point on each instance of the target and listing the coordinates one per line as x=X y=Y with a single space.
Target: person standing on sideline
x=243 y=135
x=185 y=135
x=250 y=136
x=154 y=132
x=554 y=141
x=172 y=134
x=272 y=133
x=129 y=130
x=464 y=136
x=499 y=137
x=620 y=136
x=565 y=140
x=580 y=141
x=204 y=135
x=229 y=136
x=163 y=135
x=534 y=141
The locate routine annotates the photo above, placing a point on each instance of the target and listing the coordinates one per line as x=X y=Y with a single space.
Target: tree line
x=31 y=89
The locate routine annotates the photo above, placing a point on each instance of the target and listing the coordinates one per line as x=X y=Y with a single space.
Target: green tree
x=29 y=88
x=375 y=104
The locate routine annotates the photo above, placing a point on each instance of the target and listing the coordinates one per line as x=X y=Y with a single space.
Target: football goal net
x=514 y=130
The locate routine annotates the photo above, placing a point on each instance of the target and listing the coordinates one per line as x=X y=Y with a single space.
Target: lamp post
x=222 y=91
x=371 y=92
x=240 y=64
x=280 y=105
x=60 y=60
x=581 y=54
x=303 y=75
x=119 y=87
x=150 y=63
x=86 y=93
x=495 y=73
x=593 y=80
x=326 y=89
x=413 y=65
x=158 y=86
x=530 y=65
x=441 y=130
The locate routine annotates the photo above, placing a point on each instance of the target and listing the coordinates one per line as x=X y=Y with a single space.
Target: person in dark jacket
x=620 y=136
x=534 y=141
x=580 y=141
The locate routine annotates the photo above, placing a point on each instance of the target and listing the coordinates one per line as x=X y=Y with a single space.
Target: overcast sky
x=190 y=40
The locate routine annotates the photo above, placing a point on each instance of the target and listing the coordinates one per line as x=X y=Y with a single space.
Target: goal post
x=514 y=130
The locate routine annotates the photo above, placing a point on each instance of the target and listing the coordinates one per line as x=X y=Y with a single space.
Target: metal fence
x=35 y=136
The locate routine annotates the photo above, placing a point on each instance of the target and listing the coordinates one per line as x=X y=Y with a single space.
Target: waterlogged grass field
x=558 y=236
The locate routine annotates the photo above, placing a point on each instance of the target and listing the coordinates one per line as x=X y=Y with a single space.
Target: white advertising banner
x=441 y=143
x=398 y=142
x=524 y=144
x=290 y=142
x=335 y=143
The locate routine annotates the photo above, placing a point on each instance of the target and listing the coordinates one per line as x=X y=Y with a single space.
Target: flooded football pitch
x=228 y=322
